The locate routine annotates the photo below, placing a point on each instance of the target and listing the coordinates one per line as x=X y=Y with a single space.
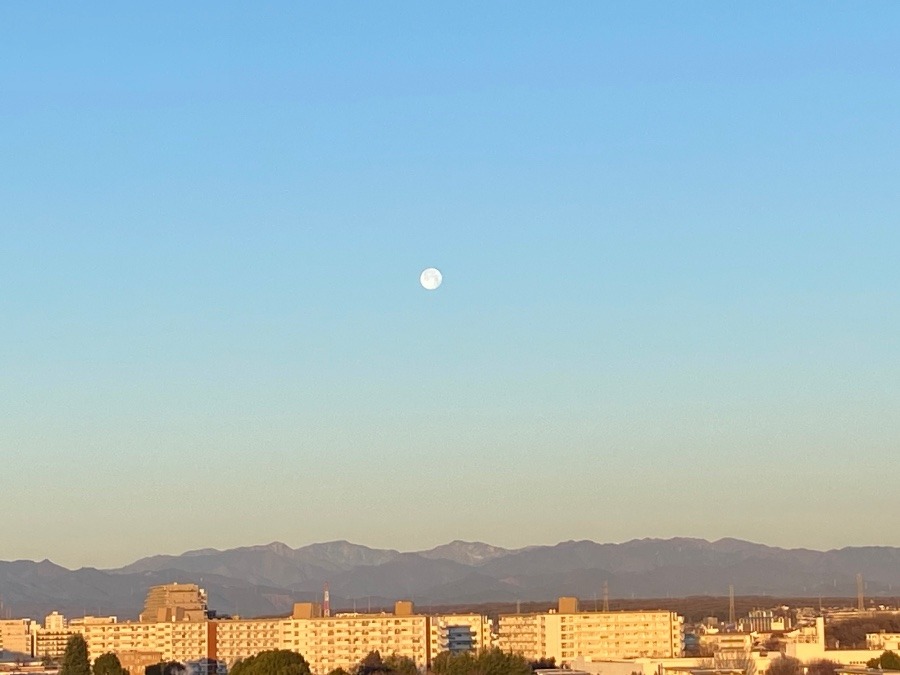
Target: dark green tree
x=167 y=668
x=887 y=661
x=449 y=663
x=371 y=664
x=272 y=662
x=488 y=662
x=496 y=662
x=822 y=667
x=75 y=660
x=108 y=664
x=400 y=665
x=785 y=665
x=543 y=664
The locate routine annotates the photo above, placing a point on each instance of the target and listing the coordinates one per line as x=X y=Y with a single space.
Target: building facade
x=460 y=633
x=326 y=642
x=567 y=633
x=15 y=635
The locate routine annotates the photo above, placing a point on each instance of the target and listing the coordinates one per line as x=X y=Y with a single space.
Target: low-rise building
x=883 y=641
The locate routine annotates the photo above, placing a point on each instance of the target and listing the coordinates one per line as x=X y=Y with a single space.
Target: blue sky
x=669 y=238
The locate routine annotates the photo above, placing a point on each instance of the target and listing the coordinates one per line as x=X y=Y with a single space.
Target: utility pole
x=731 y=604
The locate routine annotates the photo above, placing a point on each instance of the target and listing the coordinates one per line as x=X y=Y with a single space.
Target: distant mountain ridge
x=267 y=579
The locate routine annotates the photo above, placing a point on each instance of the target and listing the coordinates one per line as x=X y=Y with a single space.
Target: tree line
x=287 y=662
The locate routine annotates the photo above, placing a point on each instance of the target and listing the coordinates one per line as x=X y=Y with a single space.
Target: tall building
x=566 y=633
x=51 y=639
x=55 y=622
x=175 y=602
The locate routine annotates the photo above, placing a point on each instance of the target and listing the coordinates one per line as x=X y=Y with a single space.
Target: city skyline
x=668 y=239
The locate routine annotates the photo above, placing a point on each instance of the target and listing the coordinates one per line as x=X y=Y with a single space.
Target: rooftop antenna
x=731 y=604
x=605 y=596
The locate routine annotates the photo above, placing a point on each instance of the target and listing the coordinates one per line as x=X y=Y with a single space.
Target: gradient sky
x=669 y=234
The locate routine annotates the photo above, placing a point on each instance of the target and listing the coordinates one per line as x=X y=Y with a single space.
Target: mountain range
x=267 y=580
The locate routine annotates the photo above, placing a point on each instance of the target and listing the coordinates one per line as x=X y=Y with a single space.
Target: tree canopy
x=543 y=664
x=75 y=660
x=372 y=664
x=108 y=664
x=400 y=665
x=488 y=662
x=272 y=662
x=821 y=667
x=785 y=665
x=167 y=668
x=887 y=661
x=851 y=633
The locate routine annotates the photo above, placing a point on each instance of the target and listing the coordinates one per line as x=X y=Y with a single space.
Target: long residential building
x=326 y=642
x=566 y=633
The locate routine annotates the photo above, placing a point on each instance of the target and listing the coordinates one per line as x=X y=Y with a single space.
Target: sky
x=668 y=233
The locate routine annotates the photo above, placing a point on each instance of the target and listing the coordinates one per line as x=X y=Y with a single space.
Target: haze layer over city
x=668 y=240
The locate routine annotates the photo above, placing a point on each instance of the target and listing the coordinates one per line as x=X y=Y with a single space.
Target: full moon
x=430 y=278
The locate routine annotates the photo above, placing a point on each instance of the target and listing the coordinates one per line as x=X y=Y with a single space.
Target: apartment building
x=50 y=640
x=726 y=643
x=15 y=635
x=239 y=638
x=567 y=633
x=459 y=633
x=175 y=640
x=326 y=642
x=342 y=641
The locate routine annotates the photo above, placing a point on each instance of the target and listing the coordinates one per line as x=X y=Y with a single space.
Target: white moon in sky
x=430 y=278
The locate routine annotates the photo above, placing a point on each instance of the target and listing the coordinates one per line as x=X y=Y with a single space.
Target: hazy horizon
x=669 y=242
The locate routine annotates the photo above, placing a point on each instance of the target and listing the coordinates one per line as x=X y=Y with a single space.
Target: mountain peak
x=465 y=552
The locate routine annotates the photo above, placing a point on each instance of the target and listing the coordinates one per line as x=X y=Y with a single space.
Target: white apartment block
x=15 y=635
x=239 y=638
x=340 y=641
x=174 y=640
x=343 y=641
x=566 y=634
